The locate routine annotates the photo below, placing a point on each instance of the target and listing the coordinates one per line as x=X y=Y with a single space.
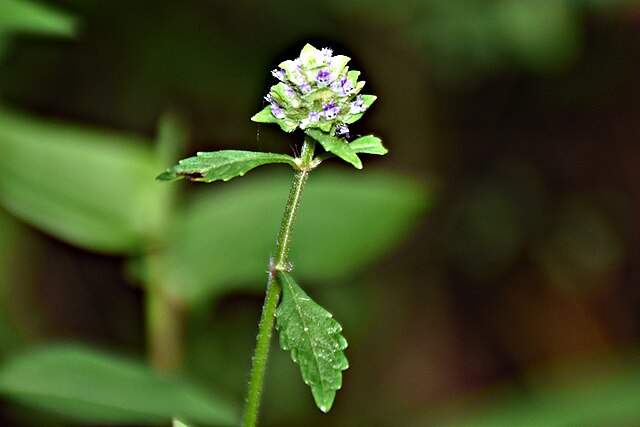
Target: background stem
x=165 y=330
x=165 y=313
x=265 y=328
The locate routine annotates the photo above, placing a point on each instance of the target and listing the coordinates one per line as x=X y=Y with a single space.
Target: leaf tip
x=325 y=401
x=166 y=176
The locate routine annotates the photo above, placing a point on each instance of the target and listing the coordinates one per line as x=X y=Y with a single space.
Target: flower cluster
x=316 y=90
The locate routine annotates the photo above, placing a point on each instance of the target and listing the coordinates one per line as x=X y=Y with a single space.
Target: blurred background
x=485 y=271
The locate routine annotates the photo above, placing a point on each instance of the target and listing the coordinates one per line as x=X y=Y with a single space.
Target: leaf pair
x=313 y=336
x=227 y=164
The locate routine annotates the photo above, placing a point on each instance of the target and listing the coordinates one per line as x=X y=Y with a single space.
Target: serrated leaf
x=368 y=145
x=86 y=186
x=336 y=146
x=313 y=337
x=98 y=388
x=221 y=165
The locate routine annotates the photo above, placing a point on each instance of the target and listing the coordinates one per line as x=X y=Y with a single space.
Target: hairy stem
x=279 y=263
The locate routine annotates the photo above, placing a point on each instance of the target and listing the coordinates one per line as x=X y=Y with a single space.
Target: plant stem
x=165 y=334
x=165 y=313
x=279 y=263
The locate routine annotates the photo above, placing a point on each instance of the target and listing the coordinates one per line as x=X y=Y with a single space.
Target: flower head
x=315 y=90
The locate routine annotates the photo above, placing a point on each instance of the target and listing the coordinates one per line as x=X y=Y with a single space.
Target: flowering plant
x=317 y=93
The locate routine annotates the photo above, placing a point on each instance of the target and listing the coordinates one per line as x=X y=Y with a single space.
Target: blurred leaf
x=544 y=34
x=613 y=400
x=34 y=17
x=313 y=336
x=221 y=165
x=95 y=387
x=226 y=236
x=178 y=423
x=368 y=145
x=335 y=145
x=88 y=187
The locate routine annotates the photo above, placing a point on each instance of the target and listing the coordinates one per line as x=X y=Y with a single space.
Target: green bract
x=316 y=91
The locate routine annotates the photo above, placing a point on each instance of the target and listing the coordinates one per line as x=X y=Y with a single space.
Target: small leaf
x=221 y=165
x=98 y=388
x=335 y=145
x=368 y=145
x=368 y=100
x=313 y=336
x=264 y=116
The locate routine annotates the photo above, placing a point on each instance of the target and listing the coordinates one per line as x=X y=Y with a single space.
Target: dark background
x=521 y=120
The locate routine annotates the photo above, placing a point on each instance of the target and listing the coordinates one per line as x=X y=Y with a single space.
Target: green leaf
x=368 y=100
x=313 y=336
x=221 y=165
x=34 y=17
x=264 y=116
x=95 y=387
x=608 y=398
x=223 y=239
x=545 y=35
x=368 y=145
x=88 y=187
x=336 y=146
x=177 y=423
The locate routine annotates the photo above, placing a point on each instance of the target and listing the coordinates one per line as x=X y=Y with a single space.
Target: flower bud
x=315 y=90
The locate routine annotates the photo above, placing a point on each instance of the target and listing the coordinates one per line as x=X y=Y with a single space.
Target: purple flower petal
x=305 y=87
x=314 y=116
x=330 y=111
x=342 y=130
x=358 y=106
x=323 y=78
x=279 y=74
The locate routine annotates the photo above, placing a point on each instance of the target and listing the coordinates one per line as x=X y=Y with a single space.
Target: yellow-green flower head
x=316 y=90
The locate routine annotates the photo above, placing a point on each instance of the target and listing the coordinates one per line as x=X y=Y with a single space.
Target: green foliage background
x=485 y=271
